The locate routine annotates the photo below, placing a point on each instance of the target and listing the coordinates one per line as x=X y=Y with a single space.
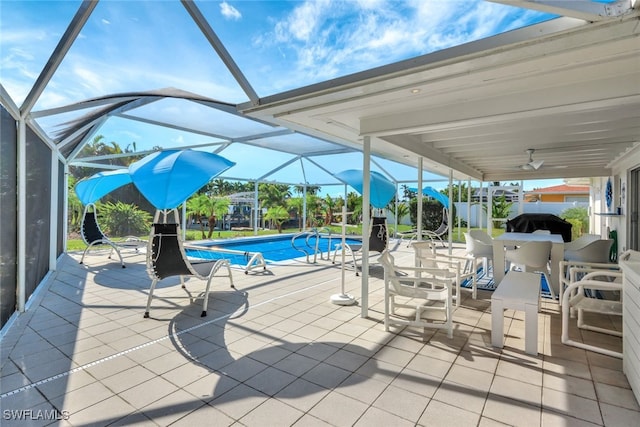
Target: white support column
x=490 y=210
x=419 y=209
x=521 y=198
x=459 y=203
x=396 y=212
x=366 y=206
x=304 y=206
x=65 y=221
x=22 y=214
x=480 y=211
x=468 y=204
x=450 y=213
x=256 y=214
x=53 y=213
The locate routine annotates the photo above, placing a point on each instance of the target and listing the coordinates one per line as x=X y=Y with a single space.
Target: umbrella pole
x=343 y=298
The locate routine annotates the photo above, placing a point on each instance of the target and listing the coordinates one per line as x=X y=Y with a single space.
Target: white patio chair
x=577 y=299
x=579 y=268
x=581 y=242
x=532 y=257
x=456 y=267
x=480 y=245
x=418 y=291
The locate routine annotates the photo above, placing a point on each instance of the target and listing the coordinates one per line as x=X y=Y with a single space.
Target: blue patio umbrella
x=93 y=188
x=432 y=192
x=381 y=189
x=168 y=178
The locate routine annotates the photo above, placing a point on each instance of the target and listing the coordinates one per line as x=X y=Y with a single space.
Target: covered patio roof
x=568 y=87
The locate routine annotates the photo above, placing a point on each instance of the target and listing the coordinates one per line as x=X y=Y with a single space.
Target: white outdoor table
x=518 y=291
x=518 y=239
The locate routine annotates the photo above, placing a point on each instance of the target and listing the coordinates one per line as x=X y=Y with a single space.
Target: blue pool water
x=273 y=248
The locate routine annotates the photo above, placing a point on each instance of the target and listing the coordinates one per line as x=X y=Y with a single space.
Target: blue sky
x=278 y=45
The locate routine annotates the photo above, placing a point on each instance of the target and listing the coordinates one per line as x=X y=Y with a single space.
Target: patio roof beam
x=249 y=138
x=80 y=106
x=97 y=165
x=216 y=43
x=282 y=166
x=99 y=119
x=7 y=102
x=69 y=36
x=173 y=126
x=95 y=124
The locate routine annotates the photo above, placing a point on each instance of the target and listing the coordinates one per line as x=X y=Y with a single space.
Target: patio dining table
x=518 y=239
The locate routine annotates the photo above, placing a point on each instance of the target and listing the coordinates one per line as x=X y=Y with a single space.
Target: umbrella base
x=343 y=299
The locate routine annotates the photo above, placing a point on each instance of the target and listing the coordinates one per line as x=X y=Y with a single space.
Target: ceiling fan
x=532 y=165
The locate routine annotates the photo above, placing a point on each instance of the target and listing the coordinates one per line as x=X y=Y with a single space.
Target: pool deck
x=277 y=352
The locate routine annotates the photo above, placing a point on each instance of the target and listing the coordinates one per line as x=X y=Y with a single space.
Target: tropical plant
x=217 y=208
x=121 y=219
x=296 y=205
x=458 y=191
x=329 y=206
x=278 y=215
x=74 y=206
x=402 y=210
x=197 y=207
x=311 y=189
x=354 y=205
x=271 y=195
x=500 y=209
x=431 y=213
x=98 y=147
x=579 y=218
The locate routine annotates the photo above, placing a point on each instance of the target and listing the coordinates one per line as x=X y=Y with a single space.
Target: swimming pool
x=273 y=248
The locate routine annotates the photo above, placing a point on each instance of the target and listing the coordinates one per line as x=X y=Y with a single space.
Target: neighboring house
x=510 y=196
x=559 y=193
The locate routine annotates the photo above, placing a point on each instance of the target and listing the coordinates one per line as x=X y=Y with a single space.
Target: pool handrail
x=309 y=234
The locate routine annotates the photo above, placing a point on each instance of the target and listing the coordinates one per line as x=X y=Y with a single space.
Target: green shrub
x=579 y=218
x=431 y=213
x=120 y=219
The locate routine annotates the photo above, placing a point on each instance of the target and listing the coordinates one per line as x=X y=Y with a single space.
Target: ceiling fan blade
x=536 y=164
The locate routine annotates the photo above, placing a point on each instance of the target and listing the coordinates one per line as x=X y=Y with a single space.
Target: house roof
x=562 y=189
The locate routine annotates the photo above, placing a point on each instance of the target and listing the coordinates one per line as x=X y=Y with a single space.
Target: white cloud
x=105 y=21
x=323 y=39
x=229 y=11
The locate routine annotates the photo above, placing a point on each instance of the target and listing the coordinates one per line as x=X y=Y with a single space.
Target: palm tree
x=197 y=206
x=220 y=187
x=402 y=210
x=271 y=195
x=74 y=206
x=296 y=204
x=354 y=205
x=278 y=215
x=329 y=206
x=311 y=189
x=218 y=207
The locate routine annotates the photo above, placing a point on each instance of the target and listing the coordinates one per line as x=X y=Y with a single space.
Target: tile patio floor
x=276 y=352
